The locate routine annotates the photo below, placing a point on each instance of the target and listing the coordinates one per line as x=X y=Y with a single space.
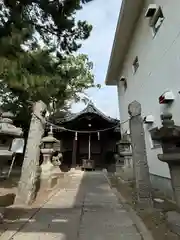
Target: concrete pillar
x=140 y=165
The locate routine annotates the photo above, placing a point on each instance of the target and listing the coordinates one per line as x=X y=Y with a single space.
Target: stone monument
x=169 y=136
x=30 y=170
x=141 y=170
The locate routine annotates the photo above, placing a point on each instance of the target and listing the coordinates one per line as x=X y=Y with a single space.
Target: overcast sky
x=103 y=15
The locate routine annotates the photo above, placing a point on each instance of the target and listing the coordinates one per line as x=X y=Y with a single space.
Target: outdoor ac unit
x=148 y=119
x=151 y=10
x=166 y=97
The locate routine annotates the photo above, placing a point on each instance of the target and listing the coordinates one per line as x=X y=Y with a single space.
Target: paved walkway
x=86 y=210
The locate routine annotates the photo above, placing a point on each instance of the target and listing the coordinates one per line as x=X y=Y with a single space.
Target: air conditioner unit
x=151 y=10
x=166 y=97
x=148 y=119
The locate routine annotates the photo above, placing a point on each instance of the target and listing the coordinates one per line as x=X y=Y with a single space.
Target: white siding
x=159 y=70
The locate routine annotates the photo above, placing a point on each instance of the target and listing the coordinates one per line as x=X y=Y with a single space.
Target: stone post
x=140 y=165
x=30 y=170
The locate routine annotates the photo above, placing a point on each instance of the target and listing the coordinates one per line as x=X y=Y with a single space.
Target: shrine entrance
x=88 y=134
x=88 y=147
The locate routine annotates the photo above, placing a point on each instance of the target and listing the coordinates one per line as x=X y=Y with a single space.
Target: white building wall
x=159 y=70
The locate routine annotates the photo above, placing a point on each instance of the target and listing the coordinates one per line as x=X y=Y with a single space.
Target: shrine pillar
x=74 y=153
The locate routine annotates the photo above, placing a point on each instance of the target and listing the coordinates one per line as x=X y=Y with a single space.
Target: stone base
x=57 y=172
x=48 y=184
x=126 y=174
x=173 y=219
x=73 y=169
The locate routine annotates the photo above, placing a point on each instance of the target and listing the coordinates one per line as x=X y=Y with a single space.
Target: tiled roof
x=90 y=108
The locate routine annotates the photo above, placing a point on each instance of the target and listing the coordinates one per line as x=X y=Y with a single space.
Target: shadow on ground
x=57 y=218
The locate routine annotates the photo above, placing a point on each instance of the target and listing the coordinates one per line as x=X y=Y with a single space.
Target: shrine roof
x=90 y=109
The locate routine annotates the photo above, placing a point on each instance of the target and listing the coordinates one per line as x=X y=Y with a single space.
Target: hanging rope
x=71 y=130
x=129 y=119
x=125 y=121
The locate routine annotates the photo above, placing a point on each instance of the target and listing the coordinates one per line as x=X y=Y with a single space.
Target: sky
x=103 y=16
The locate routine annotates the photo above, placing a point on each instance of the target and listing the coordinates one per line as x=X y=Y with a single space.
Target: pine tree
x=38 y=40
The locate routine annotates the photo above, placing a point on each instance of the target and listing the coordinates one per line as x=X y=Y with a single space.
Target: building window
x=154 y=143
x=156 y=21
x=135 y=64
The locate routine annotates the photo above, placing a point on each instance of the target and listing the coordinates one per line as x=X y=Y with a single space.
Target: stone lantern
x=7 y=133
x=126 y=165
x=126 y=153
x=169 y=136
x=47 y=149
x=120 y=159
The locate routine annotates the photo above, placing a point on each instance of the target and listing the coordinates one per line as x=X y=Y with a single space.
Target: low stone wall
x=162 y=185
x=124 y=172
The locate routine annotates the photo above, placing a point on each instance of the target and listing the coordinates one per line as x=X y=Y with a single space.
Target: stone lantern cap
x=169 y=136
x=7 y=127
x=169 y=131
x=49 y=139
x=124 y=142
x=165 y=133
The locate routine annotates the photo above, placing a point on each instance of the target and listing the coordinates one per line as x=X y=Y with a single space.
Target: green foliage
x=38 y=39
x=40 y=76
x=53 y=22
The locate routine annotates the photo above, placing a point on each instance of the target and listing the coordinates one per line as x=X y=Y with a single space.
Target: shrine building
x=89 y=134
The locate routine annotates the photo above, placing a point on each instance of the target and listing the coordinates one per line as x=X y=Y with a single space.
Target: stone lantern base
x=48 y=178
x=126 y=171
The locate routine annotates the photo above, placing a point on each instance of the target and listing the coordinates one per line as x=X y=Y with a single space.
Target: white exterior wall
x=159 y=70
